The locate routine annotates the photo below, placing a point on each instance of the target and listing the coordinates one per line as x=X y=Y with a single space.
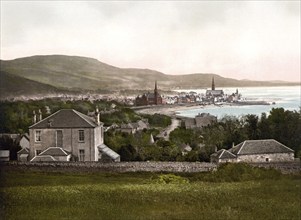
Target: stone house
x=66 y=135
x=268 y=150
x=200 y=121
x=255 y=151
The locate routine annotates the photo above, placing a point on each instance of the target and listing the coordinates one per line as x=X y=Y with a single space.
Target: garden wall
x=171 y=167
x=112 y=167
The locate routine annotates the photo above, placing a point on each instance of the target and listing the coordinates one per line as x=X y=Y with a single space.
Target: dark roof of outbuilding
x=54 y=151
x=223 y=154
x=267 y=146
x=66 y=118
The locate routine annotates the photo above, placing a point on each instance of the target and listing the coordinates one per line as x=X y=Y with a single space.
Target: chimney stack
x=97 y=117
x=40 y=115
x=34 y=117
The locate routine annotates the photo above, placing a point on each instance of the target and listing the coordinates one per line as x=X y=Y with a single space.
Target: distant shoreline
x=172 y=110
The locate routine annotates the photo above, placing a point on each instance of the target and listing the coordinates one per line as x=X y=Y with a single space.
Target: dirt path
x=174 y=124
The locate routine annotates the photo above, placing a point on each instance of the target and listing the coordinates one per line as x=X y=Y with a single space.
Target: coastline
x=172 y=110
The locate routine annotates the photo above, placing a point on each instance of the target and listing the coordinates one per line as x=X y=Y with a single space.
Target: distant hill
x=12 y=86
x=74 y=72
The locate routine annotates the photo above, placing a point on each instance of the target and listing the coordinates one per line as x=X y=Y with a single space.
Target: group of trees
x=281 y=125
x=16 y=117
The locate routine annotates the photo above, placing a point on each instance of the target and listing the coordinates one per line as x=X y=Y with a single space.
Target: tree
x=251 y=126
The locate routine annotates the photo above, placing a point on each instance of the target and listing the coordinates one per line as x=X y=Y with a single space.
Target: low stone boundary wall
x=173 y=167
x=121 y=167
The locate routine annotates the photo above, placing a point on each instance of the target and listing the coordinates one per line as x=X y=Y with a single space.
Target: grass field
x=230 y=193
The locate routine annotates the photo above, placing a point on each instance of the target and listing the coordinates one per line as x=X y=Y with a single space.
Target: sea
x=287 y=97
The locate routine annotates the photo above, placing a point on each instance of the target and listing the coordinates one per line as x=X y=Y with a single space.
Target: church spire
x=156 y=93
x=213 y=85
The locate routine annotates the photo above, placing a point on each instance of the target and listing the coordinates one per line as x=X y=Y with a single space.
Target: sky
x=255 y=40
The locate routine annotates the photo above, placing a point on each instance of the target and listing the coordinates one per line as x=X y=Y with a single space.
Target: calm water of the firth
x=286 y=97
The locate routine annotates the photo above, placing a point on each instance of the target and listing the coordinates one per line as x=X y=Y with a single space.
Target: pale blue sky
x=258 y=40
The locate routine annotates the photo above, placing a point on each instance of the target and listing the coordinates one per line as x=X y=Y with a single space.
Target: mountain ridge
x=69 y=72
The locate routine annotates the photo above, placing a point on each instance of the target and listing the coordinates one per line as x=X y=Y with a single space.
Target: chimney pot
x=97 y=117
x=40 y=115
x=34 y=117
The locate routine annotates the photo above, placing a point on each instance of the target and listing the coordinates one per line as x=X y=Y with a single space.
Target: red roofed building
x=149 y=98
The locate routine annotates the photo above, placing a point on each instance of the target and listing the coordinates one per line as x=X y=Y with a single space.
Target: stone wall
x=171 y=167
x=112 y=167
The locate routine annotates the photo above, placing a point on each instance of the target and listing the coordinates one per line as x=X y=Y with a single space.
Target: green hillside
x=11 y=86
x=90 y=74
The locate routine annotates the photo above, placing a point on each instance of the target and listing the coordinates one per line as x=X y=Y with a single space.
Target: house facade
x=255 y=151
x=66 y=132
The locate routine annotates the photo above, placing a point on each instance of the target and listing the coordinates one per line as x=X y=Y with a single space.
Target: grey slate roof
x=44 y=158
x=54 y=151
x=66 y=118
x=108 y=151
x=223 y=154
x=267 y=146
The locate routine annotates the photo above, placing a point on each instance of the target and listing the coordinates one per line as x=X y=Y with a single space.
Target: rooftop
x=54 y=151
x=108 y=151
x=267 y=146
x=45 y=158
x=223 y=154
x=66 y=118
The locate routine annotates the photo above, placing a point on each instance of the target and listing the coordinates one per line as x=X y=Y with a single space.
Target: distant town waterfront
x=285 y=97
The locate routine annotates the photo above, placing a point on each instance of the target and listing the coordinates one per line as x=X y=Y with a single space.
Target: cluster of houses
x=68 y=135
x=210 y=96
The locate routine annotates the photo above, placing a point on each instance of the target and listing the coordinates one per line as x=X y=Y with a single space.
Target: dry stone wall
x=114 y=167
x=170 y=167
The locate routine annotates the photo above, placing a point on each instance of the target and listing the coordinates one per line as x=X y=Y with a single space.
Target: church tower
x=213 y=85
x=156 y=93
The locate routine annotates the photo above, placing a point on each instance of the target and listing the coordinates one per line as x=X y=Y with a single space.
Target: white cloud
x=246 y=39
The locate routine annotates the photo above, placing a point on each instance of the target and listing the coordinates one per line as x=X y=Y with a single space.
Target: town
x=150 y=110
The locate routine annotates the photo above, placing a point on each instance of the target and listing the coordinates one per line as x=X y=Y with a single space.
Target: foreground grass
x=39 y=195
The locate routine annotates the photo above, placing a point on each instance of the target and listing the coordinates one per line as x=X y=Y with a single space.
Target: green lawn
x=27 y=195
